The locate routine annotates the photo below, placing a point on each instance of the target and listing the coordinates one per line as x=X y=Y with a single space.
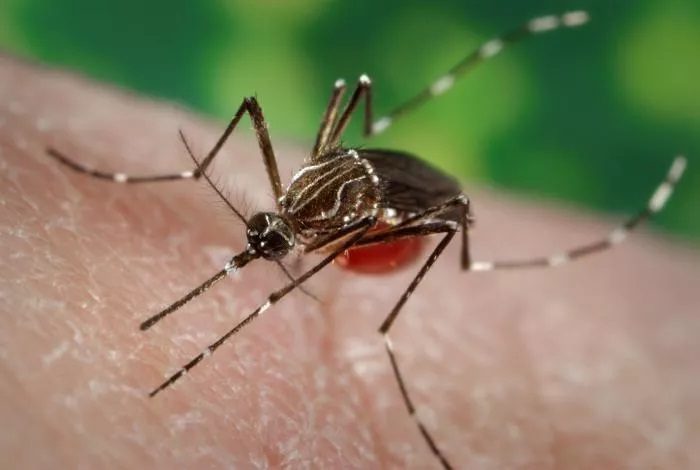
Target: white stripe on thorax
x=309 y=168
x=302 y=202
x=334 y=210
x=308 y=187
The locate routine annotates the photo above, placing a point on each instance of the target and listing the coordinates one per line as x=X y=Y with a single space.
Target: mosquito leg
x=409 y=404
x=405 y=228
x=465 y=220
x=115 y=177
x=249 y=105
x=358 y=231
x=252 y=107
x=418 y=226
x=459 y=200
x=486 y=51
x=125 y=178
x=656 y=204
x=384 y=330
x=363 y=89
x=393 y=234
x=265 y=144
x=328 y=119
x=430 y=228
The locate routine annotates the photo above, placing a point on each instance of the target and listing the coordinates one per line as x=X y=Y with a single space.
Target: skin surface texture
x=591 y=365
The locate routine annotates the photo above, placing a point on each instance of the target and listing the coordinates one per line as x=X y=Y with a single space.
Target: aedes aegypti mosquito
x=367 y=207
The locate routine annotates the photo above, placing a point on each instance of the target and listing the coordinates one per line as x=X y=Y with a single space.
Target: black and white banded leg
x=422 y=227
x=331 y=131
x=656 y=203
x=415 y=226
x=449 y=228
x=328 y=120
x=389 y=321
x=249 y=105
x=355 y=232
x=486 y=51
x=332 y=125
x=363 y=90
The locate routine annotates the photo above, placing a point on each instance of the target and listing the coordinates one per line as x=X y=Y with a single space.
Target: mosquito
x=367 y=208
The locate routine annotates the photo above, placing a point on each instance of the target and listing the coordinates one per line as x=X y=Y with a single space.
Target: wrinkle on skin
x=592 y=365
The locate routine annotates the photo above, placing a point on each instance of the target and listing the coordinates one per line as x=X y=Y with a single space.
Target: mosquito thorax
x=338 y=190
x=269 y=235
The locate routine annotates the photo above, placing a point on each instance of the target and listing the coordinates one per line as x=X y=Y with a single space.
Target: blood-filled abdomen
x=380 y=258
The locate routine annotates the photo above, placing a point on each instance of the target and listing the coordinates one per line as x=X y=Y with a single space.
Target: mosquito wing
x=409 y=184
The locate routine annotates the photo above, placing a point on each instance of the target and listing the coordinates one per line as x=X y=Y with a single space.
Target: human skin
x=590 y=365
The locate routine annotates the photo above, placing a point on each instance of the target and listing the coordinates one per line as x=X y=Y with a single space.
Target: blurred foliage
x=592 y=116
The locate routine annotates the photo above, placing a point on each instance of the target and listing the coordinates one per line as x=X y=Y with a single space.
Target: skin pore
x=593 y=365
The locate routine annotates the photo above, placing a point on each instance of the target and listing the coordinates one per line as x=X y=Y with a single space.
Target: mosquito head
x=270 y=235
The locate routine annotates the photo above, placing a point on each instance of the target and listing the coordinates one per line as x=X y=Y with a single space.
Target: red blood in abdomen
x=382 y=257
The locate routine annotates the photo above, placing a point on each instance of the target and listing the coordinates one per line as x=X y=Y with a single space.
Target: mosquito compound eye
x=270 y=235
x=274 y=245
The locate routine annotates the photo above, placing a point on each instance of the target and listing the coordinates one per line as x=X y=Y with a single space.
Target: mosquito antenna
x=211 y=183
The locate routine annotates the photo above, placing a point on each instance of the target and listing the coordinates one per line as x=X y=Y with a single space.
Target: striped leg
x=329 y=135
x=449 y=228
x=363 y=90
x=486 y=51
x=386 y=326
x=328 y=120
x=423 y=227
x=249 y=105
x=656 y=203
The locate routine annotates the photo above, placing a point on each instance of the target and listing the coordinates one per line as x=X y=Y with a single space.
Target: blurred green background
x=592 y=116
